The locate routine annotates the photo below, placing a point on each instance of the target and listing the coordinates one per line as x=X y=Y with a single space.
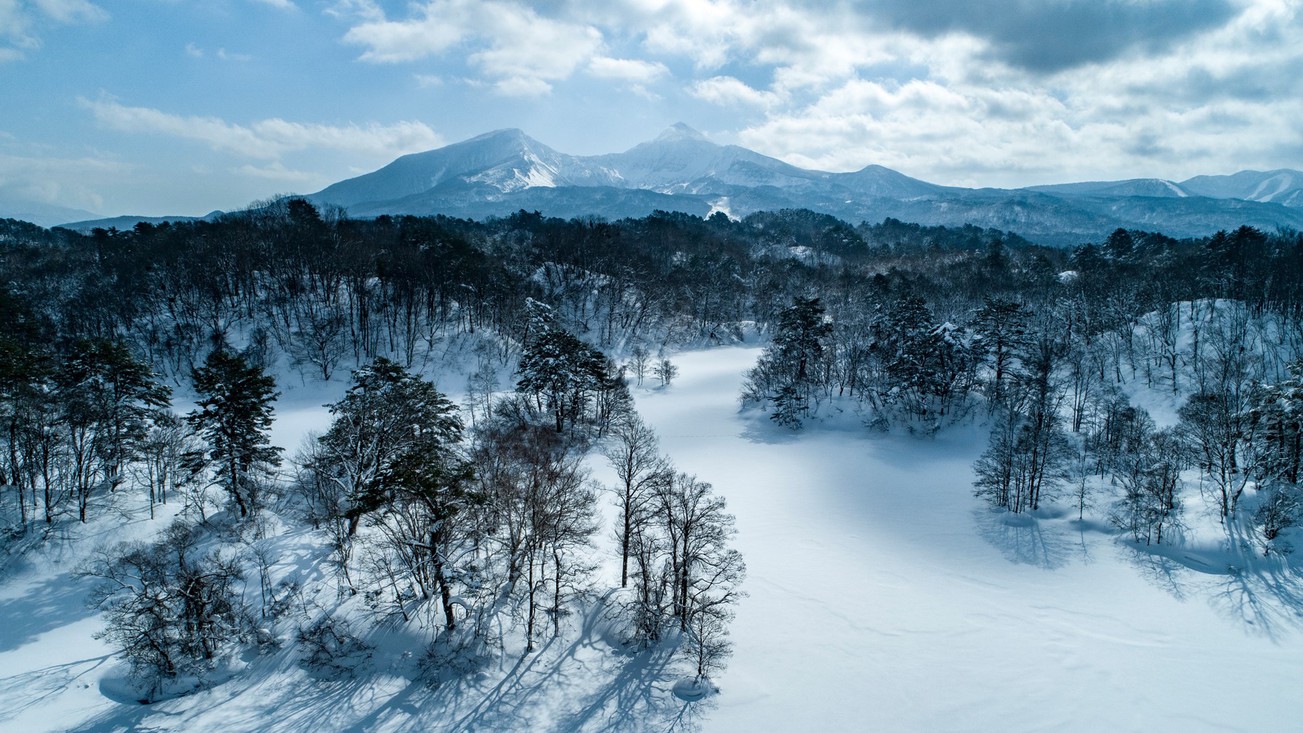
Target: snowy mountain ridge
x=500 y=172
x=504 y=171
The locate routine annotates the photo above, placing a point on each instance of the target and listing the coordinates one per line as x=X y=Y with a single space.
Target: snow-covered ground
x=885 y=597
x=882 y=596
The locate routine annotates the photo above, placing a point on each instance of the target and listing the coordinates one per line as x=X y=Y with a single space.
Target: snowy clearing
x=882 y=596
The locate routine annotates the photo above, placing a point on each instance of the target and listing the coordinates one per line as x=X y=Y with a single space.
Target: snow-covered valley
x=881 y=596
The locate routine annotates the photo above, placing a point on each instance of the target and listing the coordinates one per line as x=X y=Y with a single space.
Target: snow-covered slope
x=504 y=160
x=682 y=160
x=1282 y=186
x=885 y=597
x=1154 y=187
x=882 y=596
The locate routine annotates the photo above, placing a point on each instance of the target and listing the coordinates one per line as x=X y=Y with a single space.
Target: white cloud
x=845 y=88
x=515 y=48
x=71 y=11
x=966 y=97
x=279 y=4
x=528 y=50
x=63 y=181
x=387 y=41
x=727 y=91
x=21 y=20
x=633 y=70
x=271 y=138
x=276 y=172
x=636 y=73
x=522 y=86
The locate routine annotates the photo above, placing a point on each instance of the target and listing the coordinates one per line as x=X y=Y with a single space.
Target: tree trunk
x=445 y=593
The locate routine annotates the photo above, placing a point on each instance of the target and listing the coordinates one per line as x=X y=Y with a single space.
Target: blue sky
x=169 y=106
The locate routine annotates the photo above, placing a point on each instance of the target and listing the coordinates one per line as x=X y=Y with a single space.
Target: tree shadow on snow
x=41 y=687
x=1265 y=594
x=635 y=696
x=1022 y=539
x=1267 y=602
x=756 y=429
x=57 y=601
x=578 y=682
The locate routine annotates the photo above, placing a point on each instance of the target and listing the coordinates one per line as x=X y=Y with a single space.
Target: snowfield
x=882 y=596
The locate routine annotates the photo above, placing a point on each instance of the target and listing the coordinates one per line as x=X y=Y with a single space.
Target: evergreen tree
x=565 y=376
x=794 y=366
x=1001 y=327
x=429 y=481
x=386 y=414
x=27 y=410
x=233 y=416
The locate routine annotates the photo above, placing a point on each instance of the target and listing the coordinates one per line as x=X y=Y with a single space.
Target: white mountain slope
x=1156 y=187
x=683 y=160
x=505 y=160
x=679 y=161
x=1283 y=186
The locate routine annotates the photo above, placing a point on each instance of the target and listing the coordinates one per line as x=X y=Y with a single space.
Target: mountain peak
x=680 y=131
x=506 y=133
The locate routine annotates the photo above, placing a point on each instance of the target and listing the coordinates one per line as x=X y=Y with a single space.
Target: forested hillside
x=481 y=452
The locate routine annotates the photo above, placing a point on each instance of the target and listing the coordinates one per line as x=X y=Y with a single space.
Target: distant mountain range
x=42 y=214
x=501 y=172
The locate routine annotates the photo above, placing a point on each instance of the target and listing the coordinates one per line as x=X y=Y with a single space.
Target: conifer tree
x=794 y=366
x=233 y=417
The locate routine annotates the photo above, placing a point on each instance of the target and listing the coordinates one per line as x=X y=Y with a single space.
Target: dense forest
x=454 y=517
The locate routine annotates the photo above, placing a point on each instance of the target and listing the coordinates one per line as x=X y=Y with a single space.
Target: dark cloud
x=1053 y=35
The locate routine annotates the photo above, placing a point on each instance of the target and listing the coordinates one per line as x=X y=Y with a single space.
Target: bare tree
x=541 y=509
x=705 y=573
x=169 y=608
x=665 y=370
x=634 y=452
x=639 y=362
x=1219 y=435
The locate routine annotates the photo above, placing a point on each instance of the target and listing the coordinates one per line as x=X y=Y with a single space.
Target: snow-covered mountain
x=1282 y=186
x=1151 y=187
x=508 y=164
x=682 y=160
x=501 y=172
x=504 y=160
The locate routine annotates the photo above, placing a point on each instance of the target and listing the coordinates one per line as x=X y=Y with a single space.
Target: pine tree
x=233 y=417
x=794 y=366
x=432 y=478
x=1001 y=327
x=385 y=414
x=565 y=376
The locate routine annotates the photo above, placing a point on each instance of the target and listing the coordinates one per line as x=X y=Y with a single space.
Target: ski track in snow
x=882 y=596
